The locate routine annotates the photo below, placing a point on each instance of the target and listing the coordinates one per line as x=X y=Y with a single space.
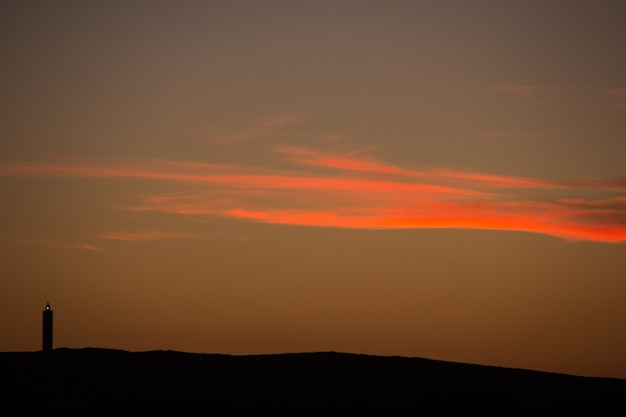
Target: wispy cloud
x=352 y=162
x=287 y=119
x=343 y=161
x=546 y=220
x=144 y=235
x=270 y=127
x=52 y=244
x=349 y=189
x=242 y=238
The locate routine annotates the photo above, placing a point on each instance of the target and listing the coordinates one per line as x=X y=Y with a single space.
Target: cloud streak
x=350 y=190
x=349 y=162
x=272 y=127
x=144 y=235
x=52 y=244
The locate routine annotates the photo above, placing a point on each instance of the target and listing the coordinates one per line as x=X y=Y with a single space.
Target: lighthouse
x=46 y=341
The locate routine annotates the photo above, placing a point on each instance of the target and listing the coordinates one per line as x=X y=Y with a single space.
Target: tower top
x=46 y=341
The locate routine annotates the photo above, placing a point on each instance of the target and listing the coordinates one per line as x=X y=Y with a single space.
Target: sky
x=438 y=179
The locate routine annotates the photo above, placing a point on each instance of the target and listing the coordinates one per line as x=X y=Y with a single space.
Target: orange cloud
x=352 y=191
x=349 y=162
x=488 y=180
x=224 y=177
x=340 y=161
x=547 y=221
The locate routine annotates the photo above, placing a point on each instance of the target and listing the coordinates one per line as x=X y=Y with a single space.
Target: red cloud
x=362 y=193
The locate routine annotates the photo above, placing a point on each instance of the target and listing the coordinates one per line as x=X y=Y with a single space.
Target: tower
x=46 y=341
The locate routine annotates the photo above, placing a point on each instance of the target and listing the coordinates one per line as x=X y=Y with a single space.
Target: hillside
x=103 y=379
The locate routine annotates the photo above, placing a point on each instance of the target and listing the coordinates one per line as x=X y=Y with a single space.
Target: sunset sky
x=440 y=179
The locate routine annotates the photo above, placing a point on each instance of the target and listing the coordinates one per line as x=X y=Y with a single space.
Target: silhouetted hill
x=92 y=380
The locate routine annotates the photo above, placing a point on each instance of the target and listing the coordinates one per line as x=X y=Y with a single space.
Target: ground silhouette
x=91 y=380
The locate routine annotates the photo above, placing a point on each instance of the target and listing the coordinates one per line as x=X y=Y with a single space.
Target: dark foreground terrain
x=117 y=382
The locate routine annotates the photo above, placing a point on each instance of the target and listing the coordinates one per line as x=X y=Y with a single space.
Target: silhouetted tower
x=46 y=341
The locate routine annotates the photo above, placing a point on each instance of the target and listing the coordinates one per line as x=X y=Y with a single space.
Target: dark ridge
x=91 y=380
